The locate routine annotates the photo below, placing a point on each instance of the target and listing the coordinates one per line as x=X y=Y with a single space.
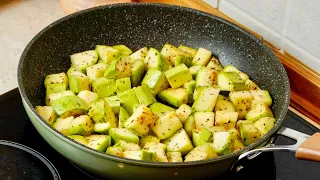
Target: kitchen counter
x=20 y=20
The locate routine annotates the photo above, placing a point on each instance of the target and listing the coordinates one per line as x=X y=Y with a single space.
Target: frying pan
x=145 y=24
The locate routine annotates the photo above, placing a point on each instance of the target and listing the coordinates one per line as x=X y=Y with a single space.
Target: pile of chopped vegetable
x=179 y=104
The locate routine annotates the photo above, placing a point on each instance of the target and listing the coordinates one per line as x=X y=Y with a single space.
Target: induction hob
x=16 y=127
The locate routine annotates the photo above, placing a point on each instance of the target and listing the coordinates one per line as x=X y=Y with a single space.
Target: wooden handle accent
x=310 y=149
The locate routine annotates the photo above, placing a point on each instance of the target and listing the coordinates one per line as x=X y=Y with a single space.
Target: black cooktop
x=16 y=127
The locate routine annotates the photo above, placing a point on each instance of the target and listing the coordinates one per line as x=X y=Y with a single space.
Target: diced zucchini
x=166 y=125
x=175 y=55
x=137 y=73
x=222 y=143
x=190 y=86
x=187 y=49
x=80 y=61
x=78 y=82
x=70 y=106
x=88 y=96
x=118 y=134
x=81 y=125
x=47 y=113
x=227 y=119
x=259 y=111
x=123 y=117
x=189 y=125
x=196 y=140
x=160 y=109
x=117 y=69
x=116 y=151
x=102 y=128
x=224 y=104
x=239 y=122
x=230 y=68
x=157 y=148
x=59 y=78
x=139 y=54
x=124 y=49
x=174 y=97
x=79 y=139
x=128 y=99
x=206 y=99
x=234 y=133
x=206 y=77
x=202 y=57
x=149 y=138
x=214 y=64
x=101 y=112
x=54 y=96
x=237 y=145
x=264 y=125
x=183 y=112
x=214 y=129
x=178 y=75
x=251 y=85
x=156 y=80
x=141 y=120
x=96 y=71
x=99 y=142
x=230 y=81
x=249 y=134
x=140 y=155
x=104 y=87
x=63 y=124
x=205 y=134
x=107 y=53
x=123 y=84
x=202 y=152
x=70 y=71
x=55 y=88
x=144 y=95
x=174 y=156
x=195 y=156
x=261 y=95
x=114 y=103
x=204 y=120
x=197 y=91
x=127 y=146
x=242 y=102
x=179 y=142
x=154 y=60
x=194 y=70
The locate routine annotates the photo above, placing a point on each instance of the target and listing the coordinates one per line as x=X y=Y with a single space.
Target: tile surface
x=20 y=20
x=303 y=28
x=290 y=25
x=251 y=22
x=269 y=12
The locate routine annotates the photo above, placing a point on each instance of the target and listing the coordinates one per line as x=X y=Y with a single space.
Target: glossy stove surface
x=15 y=126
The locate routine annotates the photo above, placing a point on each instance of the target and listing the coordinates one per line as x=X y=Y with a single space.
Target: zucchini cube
x=178 y=75
x=141 y=120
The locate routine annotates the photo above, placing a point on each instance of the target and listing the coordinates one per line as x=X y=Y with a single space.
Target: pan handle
x=307 y=147
x=310 y=149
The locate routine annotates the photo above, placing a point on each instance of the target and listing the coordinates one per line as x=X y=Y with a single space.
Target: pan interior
x=150 y=25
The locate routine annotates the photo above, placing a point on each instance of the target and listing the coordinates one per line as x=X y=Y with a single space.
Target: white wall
x=292 y=25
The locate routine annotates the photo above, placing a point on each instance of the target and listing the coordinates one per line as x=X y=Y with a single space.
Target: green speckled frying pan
x=138 y=25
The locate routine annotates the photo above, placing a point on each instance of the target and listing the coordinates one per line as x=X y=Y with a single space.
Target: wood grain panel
x=305 y=83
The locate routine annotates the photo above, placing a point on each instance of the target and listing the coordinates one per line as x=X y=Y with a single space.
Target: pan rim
x=144 y=163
